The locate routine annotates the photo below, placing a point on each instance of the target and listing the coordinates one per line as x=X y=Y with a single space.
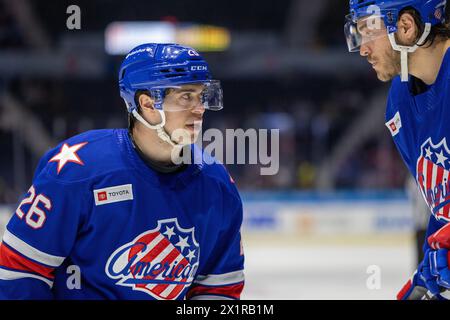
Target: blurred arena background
x=338 y=206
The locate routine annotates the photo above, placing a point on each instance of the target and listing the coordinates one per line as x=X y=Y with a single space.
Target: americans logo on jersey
x=433 y=168
x=161 y=262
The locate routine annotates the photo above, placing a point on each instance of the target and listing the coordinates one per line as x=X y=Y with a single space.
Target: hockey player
x=113 y=214
x=407 y=41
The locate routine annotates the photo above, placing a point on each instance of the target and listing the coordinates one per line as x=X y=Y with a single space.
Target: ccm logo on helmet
x=199 y=68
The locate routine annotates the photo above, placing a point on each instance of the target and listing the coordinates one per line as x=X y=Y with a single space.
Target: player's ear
x=146 y=102
x=407 y=29
x=148 y=110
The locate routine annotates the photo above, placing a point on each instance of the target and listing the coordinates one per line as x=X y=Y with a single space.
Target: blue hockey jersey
x=418 y=119
x=96 y=211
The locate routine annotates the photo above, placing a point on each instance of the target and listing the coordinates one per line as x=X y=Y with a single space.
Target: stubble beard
x=392 y=66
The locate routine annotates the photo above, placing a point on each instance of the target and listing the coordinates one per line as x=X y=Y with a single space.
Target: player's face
x=379 y=53
x=184 y=112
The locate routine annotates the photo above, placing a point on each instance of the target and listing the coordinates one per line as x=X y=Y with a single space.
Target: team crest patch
x=161 y=262
x=432 y=175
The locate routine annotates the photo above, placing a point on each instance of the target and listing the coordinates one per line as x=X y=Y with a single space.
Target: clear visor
x=207 y=95
x=364 y=30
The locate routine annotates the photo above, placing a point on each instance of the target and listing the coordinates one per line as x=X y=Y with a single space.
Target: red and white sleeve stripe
x=19 y=260
x=217 y=286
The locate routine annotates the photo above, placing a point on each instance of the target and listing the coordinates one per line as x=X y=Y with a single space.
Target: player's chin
x=385 y=72
x=384 y=77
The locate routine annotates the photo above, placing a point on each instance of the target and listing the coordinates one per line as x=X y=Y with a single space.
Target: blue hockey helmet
x=157 y=67
x=431 y=12
x=379 y=18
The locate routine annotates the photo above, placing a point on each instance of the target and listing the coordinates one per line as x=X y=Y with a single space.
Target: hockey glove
x=418 y=287
x=439 y=259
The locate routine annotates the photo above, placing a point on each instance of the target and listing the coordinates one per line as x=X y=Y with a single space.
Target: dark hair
x=440 y=31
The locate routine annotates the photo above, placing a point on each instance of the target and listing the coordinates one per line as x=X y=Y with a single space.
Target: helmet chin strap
x=404 y=50
x=162 y=134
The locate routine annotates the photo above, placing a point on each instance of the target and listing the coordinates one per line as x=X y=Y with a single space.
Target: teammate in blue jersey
x=407 y=41
x=137 y=213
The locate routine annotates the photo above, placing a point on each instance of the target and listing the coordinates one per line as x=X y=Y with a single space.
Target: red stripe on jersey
x=177 y=288
x=156 y=250
x=420 y=172
x=145 y=239
x=438 y=185
x=176 y=291
x=11 y=259
x=149 y=256
x=429 y=179
x=446 y=211
x=169 y=260
x=233 y=291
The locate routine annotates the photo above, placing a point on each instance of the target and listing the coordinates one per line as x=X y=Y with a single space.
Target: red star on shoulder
x=68 y=154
